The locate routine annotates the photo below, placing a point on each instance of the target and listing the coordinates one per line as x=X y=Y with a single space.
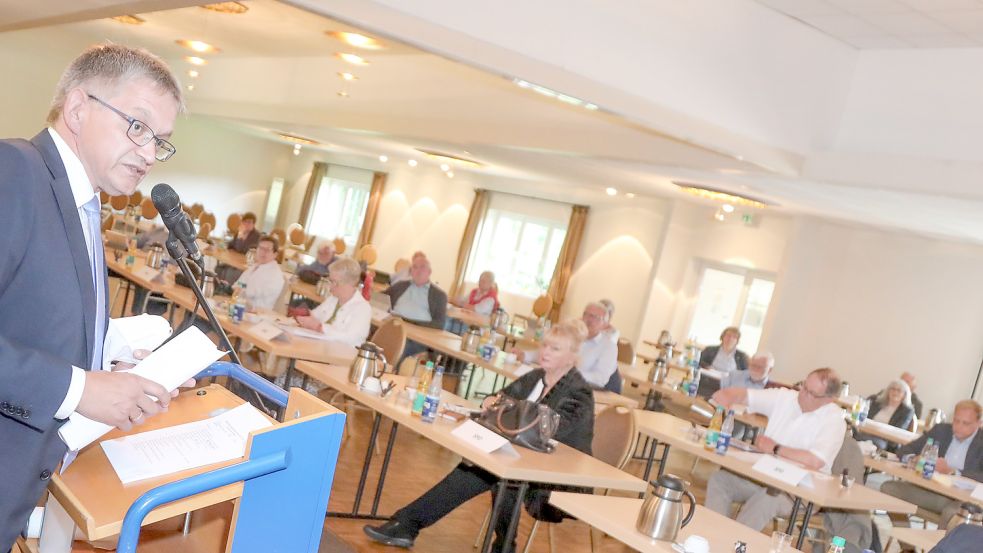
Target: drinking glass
x=780 y=542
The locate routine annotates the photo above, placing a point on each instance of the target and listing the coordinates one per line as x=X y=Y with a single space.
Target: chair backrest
x=339 y=246
x=297 y=236
x=196 y=210
x=208 y=218
x=147 y=209
x=204 y=229
x=401 y=264
x=542 y=305
x=119 y=203
x=850 y=458
x=232 y=223
x=368 y=254
x=913 y=427
x=626 y=351
x=135 y=198
x=391 y=337
x=103 y=198
x=614 y=435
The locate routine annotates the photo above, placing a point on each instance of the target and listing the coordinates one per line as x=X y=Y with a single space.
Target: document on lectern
x=185 y=446
x=170 y=366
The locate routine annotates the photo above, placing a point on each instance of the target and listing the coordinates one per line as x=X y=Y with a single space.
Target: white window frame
x=749 y=276
x=348 y=186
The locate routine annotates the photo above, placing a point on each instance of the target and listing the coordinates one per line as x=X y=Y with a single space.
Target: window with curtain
x=520 y=249
x=339 y=209
x=731 y=296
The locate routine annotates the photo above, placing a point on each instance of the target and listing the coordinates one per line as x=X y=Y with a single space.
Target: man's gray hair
x=109 y=65
x=767 y=355
x=346 y=270
x=600 y=305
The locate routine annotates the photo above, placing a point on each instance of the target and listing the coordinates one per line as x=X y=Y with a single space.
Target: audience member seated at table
x=756 y=376
x=598 y=354
x=312 y=272
x=916 y=402
x=804 y=426
x=418 y=300
x=344 y=316
x=960 y=453
x=609 y=330
x=403 y=275
x=483 y=299
x=247 y=237
x=891 y=406
x=264 y=280
x=725 y=357
x=557 y=384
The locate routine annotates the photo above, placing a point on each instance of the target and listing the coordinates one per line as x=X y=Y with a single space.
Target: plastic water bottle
x=694 y=383
x=432 y=402
x=837 y=545
x=713 y=431
x=421 y=388
x=726 y=431
x=931 y=458
x=920 y=463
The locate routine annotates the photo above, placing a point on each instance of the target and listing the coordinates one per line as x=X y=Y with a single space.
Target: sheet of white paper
x=977 y=492
x=170 y=366
x=479 y=436
x=781 y=470
x=306 y=333
x=185 y=446
x=266 y=330
x=712 y=373
x=128 y=334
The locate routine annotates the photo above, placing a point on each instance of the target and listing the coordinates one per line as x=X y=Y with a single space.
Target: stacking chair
x=615 y=437
x=339 y=246
x=147 y=209
x=626 y=351
x=196 y=210
x=232 y=223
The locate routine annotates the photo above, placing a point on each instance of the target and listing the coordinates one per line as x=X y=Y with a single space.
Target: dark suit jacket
x=900 y=419
x=47 y=319
x=250 y=241
x=942 y=435
x=964 y=538
x=709 y=352
x=436 y=298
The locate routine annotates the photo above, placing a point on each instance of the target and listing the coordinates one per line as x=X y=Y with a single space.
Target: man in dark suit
x=960 y=453
x=418 y=300
x=53 y=305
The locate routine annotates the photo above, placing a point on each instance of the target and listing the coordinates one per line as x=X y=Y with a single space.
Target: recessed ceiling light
x=348 y=76
x=198 y=46
x=450 y=174
x=629 y=195
x=343 y=93
x=444 y=167
x=227 y=7
x=352 y=58
x=195 y=60
x=383 y=158
x=296 y=138
x=191 y=87
x=591 y=107
x=412 y=162
x=611 y=191
x=193 y=73
x=356 y=40
x=727 y=208
x=448 y=158
x=128 y=19
x=718 y=215
x=719 y=195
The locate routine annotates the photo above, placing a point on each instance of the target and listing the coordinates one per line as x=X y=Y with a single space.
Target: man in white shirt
x=804 y=426
x=344 y=316
x=598 y=353
x=262 y=283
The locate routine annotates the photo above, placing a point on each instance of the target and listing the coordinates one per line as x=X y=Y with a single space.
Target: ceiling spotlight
x=383 y=158
x=718 y=215
x=198 y=46
x=450 y=174
x=356 y=40
x=227 y=7
x=193 y=73
x=727 y=208
x=348 y=76
x=297 y=149
x=128 y=19
x=591 y=107
x=195 y=60
x=611 y=191
x=352 y=58
x=444 y=167
x=343 y=93
x=412 y=162
x=709 y=193
x=191 y=87
x=629 y=195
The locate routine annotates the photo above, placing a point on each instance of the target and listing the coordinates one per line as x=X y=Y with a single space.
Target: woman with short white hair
x=344 y=316
x=892 y=405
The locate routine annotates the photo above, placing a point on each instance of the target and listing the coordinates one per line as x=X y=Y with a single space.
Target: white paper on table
x=712 y=373
x=128 y=334
x=150 y=274
x=783 y=471
x=379 y=314
x=302 y=332
x=977 y=492
x=170 y=366
x=522 y=369
x=479 y=437
x=266 y=330
x=185 y=446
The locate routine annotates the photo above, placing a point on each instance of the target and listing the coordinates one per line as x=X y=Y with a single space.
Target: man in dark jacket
x=960 y=453
x=418 y=300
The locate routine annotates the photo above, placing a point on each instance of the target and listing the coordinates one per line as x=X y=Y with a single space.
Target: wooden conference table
x=826 y=492
x=918 y=538
x=941 y=484
x=565 y=466
x=616 y=516
x=887 y=432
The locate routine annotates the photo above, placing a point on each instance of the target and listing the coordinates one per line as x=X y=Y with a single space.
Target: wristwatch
x=774 y=450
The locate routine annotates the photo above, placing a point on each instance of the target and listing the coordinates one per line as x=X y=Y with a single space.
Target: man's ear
x=75 y=110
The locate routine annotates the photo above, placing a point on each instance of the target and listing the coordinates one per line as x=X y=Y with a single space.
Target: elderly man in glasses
x=110 y=121
x=804 y=426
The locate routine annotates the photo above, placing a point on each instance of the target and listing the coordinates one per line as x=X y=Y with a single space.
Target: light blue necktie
x=94 y=217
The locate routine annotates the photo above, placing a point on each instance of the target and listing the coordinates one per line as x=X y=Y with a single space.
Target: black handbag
x=523 y=422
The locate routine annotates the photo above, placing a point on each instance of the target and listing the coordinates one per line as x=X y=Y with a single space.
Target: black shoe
x=392 y=532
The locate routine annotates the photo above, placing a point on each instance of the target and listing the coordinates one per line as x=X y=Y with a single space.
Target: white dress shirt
x=955 y=455
x=352 y=320
x=598 y=359
x=819 y=432
x=83 y=192
x=264 y=282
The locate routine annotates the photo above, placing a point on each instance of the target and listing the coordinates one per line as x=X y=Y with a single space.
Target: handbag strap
x=517 y=431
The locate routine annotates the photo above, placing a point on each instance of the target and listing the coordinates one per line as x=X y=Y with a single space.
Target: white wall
x=873 y=304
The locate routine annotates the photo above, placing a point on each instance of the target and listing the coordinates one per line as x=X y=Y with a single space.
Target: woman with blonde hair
x=892 y=405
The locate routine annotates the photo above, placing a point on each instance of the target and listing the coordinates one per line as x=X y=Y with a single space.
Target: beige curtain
x=567 y=259
x=317 y=175
x=371 y=212
x=478 y=209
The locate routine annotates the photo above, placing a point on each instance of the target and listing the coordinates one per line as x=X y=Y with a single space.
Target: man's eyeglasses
x=813 y=394
x=141 y=135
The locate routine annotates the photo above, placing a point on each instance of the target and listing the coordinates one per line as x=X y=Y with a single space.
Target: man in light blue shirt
x=755 y=377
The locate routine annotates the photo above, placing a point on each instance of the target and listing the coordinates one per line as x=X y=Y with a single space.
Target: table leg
x=496 y=506
x=290 y=373
x=867 y=471
x=385 y=468
x=791 y=517
x=126 y=297
x=514 y=520
x=805 y=525
x=365 y=464
x=665 y=457
x=649 y=460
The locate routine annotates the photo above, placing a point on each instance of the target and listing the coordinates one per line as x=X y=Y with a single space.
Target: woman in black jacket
x=891 y=406
x=557 y=384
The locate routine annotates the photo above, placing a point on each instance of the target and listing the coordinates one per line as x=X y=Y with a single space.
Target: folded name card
x=783 y=471
x=149 y=274
x=266 y=330
x=479 y=436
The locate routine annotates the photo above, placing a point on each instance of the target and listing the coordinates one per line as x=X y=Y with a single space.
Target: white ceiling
x=887 y=24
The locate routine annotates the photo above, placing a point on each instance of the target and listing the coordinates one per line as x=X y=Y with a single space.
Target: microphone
x=168 y=204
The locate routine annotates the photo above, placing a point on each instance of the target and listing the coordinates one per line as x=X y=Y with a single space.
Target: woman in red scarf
x=483 y=299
